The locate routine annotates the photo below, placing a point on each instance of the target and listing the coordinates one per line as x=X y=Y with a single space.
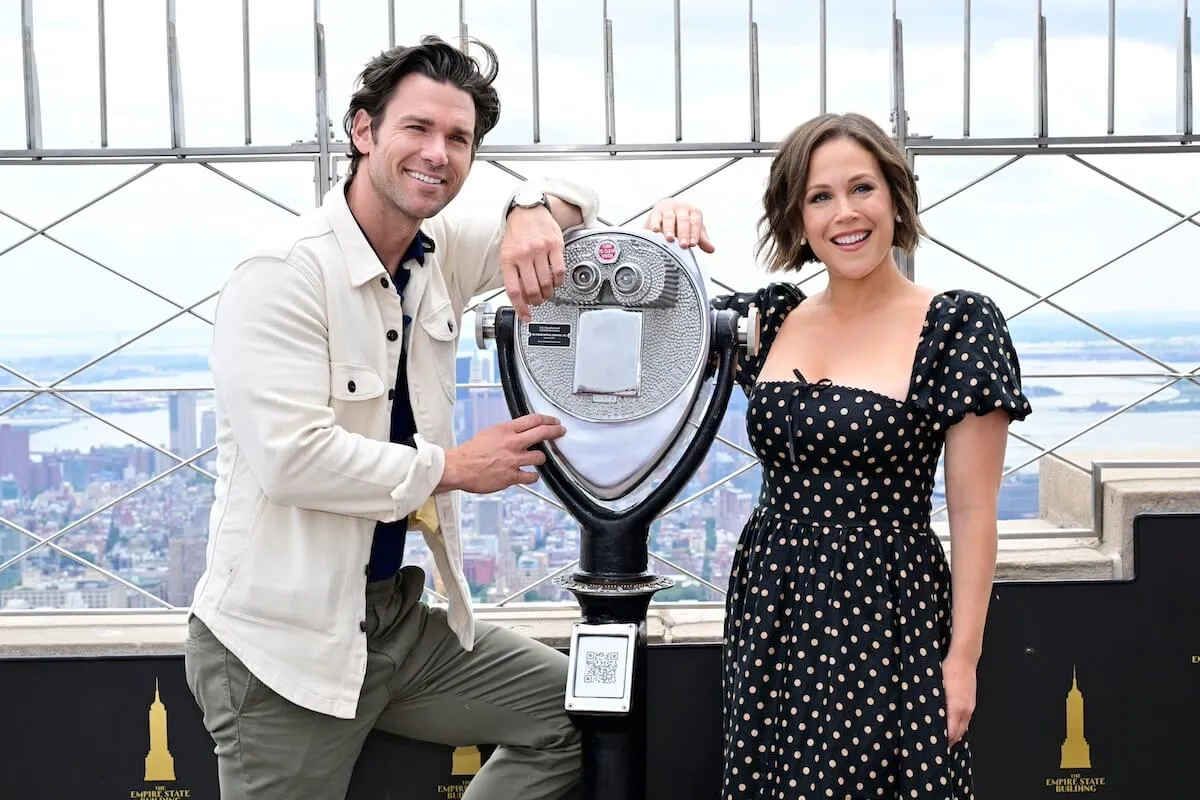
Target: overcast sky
x=179 y=229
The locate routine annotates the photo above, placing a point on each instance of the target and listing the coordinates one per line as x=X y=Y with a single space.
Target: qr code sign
x=601 y=667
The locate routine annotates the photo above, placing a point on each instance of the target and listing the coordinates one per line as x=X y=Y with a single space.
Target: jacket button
x=392 y=336
x=450 y=326
x=391 y=394
x=362 y=626
x=350 y=387
x=384 y=282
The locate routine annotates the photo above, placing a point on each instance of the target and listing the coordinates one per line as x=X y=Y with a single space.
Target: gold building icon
x=466 y=761
x=1076 y=753
x=160 y=764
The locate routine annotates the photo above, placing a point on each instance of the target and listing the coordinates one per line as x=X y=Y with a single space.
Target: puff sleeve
x=968 y=364
x=773 y=302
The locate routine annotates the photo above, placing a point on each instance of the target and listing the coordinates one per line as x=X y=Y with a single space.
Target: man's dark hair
x=435 y=59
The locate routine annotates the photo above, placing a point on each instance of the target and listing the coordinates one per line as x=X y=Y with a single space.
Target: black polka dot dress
x=838 y=612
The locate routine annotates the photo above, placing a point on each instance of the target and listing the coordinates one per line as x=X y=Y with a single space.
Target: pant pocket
x=244 y=689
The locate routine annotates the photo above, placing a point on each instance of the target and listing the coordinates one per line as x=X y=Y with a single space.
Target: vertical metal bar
x=892 y=65
x=33 y=95
x=537 y=89
x=900 y=117
x=323 y=167
x=899 y=110
x=102 y=47
x=462 y=25
x=678 y=74
x=908 y=262
x=246 y=68
x=391 y=5
x=174 y=80
x=1183 y=104
x=1042 y=105
x=610 y=95
x=754 y=97
x=822 y=55
x=966 y=67
x=1112 y=66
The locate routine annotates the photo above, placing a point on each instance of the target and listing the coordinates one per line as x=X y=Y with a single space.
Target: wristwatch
x=527 y=198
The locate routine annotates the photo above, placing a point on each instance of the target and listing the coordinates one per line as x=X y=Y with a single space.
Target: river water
x=1051 y=422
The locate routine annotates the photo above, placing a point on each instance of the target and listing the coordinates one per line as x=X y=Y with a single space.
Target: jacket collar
x=362 y=263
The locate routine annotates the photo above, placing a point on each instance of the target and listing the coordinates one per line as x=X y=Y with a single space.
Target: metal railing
x=326 y=152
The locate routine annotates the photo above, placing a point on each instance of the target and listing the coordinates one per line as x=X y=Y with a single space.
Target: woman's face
x=849 y=217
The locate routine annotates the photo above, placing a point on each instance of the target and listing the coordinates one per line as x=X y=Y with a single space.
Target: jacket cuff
x=424 y=476
x=578 y=195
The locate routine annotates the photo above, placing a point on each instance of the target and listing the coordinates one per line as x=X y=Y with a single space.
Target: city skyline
x=158 y=536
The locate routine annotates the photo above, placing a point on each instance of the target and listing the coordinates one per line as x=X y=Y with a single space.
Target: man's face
x=422 y=151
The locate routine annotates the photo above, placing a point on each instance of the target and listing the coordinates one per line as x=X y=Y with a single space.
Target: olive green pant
x=420 y=683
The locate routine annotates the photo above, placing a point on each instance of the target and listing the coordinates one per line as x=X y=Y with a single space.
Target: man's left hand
x=531 y=258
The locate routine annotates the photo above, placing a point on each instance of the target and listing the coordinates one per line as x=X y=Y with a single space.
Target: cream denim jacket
x=303 y=363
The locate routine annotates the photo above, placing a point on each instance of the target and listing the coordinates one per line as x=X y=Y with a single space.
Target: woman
x=847 y=671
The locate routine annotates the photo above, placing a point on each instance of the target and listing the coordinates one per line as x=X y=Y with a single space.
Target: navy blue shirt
x=387 y=548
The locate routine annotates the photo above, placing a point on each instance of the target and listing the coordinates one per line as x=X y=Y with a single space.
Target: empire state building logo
x=160 y=764
x=1076 y=753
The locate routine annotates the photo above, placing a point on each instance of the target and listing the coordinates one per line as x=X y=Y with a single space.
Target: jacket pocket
x=294 y=572
x=441 y=326
x=350 y=382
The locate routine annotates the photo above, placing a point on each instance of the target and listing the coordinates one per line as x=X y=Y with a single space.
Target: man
x=333 y=362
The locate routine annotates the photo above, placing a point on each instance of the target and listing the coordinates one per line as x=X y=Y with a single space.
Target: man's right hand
x=497 y=457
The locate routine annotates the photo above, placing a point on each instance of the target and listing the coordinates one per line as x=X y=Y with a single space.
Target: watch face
x=528 y=198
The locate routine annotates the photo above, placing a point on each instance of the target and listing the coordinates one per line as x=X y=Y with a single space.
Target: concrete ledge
x=54 y=634
x=1065 y=489
x=1068 y=559
x=1124 y=500
x=1039 y=550
x=1065 y=497
x=161 y=633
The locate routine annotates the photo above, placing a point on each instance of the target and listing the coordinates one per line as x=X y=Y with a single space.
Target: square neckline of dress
x=827 y=383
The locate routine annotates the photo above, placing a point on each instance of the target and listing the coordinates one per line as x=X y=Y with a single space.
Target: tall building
x=186 y=557
x=11 y=543
x=14 y=454
x=208 y=429
x=489 y=516
x=488 y=408
x=182 y=408
x=43 y=475
x=489 y=522
x=462 y=368
x=462 y=396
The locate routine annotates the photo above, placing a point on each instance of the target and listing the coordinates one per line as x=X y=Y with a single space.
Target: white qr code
x=600 y=666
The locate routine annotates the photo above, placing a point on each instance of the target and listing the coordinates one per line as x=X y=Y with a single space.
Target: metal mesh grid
x=325 y=152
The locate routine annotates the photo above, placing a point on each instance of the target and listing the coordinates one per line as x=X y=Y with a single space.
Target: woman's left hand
x=958 y=681
x=678 y=220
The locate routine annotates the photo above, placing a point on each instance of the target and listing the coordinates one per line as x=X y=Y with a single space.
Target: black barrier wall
x=1085 y=689
x=1094 y=688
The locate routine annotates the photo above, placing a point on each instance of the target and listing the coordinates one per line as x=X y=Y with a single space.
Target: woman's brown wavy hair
x=781 y=226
